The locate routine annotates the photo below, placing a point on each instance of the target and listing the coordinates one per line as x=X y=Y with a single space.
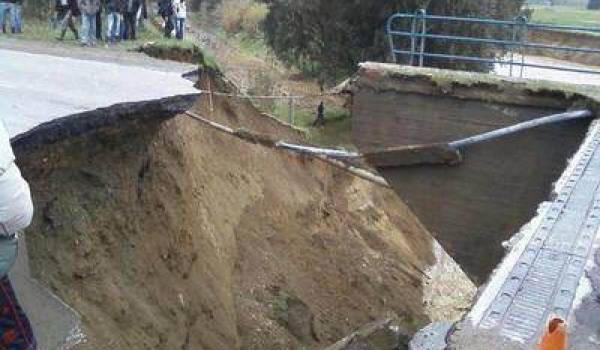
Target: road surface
x=35 y=88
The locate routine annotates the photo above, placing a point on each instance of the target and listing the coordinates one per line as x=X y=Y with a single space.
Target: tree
x=329 y=37
x=196 y=5
x=594 y=5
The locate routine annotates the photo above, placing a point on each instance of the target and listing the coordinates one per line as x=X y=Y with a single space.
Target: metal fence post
x=413 y=43
x=423 y=14
x=291 y=111
x=512 y=47
x=524 y=39
x=391 y=38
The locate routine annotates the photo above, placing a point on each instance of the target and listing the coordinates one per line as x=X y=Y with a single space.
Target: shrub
x=255 y=14
x=242 y=16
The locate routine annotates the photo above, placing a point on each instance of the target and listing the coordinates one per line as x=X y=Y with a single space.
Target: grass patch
x=39 y=30
x=565 y=15
x=302 y=118
x=337 y=130
x=209 y=61
x=253 y=45
x=150 y=33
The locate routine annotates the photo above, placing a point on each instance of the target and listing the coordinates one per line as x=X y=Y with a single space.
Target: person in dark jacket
x=66 y=10
x=4 y=13
x=16 y=18
x=88 y=9
x=181 y=9
x=114 y=19
x=320 y=120
x=166 y=10
x=99 y=21
x=130 y=20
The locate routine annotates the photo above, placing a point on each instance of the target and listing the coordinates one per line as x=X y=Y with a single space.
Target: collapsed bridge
x=474 y=207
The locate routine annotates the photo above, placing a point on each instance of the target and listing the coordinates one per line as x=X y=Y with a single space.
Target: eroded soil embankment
x=569 y=39
x=164 y=234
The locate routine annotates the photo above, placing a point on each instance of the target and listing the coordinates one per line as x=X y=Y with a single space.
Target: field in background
x=566 y=15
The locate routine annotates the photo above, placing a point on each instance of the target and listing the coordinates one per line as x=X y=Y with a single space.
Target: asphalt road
x=35 y=87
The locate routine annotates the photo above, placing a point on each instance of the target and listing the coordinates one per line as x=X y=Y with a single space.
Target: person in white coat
x=181 y=14
x=16 y=212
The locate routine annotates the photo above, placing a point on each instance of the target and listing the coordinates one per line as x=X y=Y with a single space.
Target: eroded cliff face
x=164 y=234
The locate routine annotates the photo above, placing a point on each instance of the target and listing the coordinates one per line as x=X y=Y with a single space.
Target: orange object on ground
x=555 y=336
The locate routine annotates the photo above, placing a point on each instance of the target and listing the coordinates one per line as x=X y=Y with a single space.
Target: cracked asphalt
x=37 y=87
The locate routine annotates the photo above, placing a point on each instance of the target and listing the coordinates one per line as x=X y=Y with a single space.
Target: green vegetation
x=566 y=15
x=252 y=44
x=328 y=38
x=335 y=132
x=36 y=29
x=242 y=16
x=209 y=61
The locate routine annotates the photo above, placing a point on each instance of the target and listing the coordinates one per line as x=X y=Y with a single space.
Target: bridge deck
x=550 y=269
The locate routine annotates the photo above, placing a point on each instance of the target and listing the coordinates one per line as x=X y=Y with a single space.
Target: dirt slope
x=169 y=235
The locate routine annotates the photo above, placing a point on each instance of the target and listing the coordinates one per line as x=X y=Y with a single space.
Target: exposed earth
x=164 y=234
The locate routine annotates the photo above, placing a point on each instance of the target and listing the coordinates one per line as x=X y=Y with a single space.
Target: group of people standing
x=11 y=10
x=122 y=18
x=173 y=13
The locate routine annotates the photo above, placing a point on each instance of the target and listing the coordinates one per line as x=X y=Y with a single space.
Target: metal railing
x=417 y=30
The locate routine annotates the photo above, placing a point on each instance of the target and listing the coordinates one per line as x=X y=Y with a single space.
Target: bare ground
x=168 y=235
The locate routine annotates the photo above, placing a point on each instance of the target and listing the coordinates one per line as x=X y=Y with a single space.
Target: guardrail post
x=413 y=40
x=291 y=110
x=391 y=38
x=423 y=14
x=512 y=47
x=524 y=38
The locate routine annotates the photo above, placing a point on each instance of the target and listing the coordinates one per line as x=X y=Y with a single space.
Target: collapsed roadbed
x=163 y=234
